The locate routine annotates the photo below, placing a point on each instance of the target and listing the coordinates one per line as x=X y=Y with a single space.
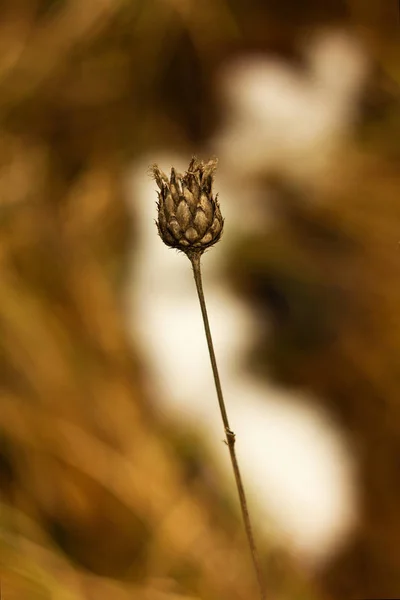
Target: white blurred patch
x=283 y=119
x=300 y=469
x=294 y=461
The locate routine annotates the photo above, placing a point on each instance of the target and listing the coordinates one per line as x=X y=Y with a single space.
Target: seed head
x=189 y=217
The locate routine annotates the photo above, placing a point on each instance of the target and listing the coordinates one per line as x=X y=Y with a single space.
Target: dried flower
x=189 y=217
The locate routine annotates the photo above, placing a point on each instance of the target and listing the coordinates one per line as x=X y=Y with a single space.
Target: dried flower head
x=189 y=217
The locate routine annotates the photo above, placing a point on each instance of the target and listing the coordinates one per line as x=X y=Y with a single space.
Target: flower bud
x=189 y=217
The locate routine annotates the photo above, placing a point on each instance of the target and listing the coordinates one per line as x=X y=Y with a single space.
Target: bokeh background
x=114 y=481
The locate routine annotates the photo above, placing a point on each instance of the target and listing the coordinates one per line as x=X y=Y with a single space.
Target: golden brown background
x=99 y=497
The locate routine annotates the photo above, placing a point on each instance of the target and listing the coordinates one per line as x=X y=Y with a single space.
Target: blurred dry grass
x=96 y=500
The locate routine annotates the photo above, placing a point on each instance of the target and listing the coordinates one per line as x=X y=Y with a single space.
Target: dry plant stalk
x=190 y=220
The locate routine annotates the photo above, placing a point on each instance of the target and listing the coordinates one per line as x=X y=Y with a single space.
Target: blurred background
x=114 y=481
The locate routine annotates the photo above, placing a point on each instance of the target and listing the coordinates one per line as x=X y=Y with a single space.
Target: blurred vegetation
x=328 y=274
x=99 y=499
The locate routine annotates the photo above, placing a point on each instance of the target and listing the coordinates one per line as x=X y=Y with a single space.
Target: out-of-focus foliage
x=328 y=274
x=93 y=485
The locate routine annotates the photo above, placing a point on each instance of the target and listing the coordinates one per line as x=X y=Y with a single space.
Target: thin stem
x=230 y=436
